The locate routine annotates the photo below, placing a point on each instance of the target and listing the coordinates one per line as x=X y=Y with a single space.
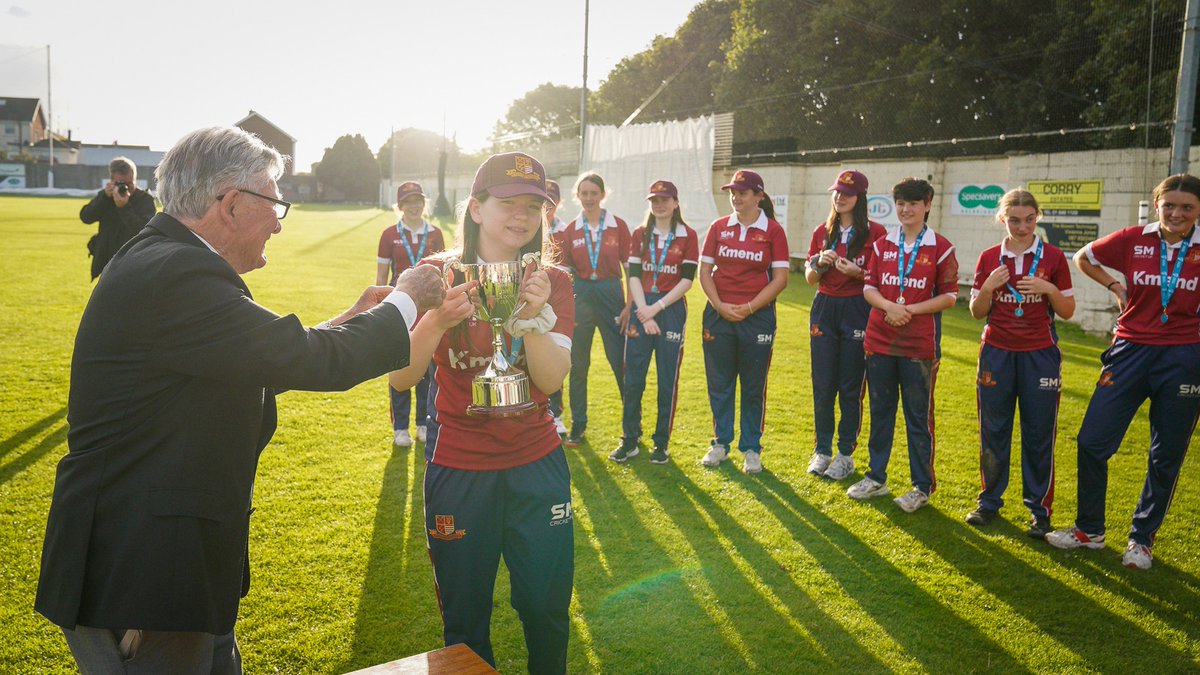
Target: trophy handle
x=533 y=258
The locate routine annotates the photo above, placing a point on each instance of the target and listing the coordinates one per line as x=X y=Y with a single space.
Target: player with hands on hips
x=1154 y=354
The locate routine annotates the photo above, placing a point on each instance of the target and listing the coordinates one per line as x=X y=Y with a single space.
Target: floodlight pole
x=1185 y=90
x=49 y=122
x=583 y=94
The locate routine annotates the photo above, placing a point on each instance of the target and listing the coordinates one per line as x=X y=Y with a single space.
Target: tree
x=417 y=153
x=350 y=168
x=692 y=60
x=548 y=112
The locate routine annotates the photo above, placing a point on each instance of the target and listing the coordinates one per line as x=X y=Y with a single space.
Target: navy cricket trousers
x=523 y=514
x=1006 y=380
x=894 y=380
x=734 y=352
x=667 y=350
x=401 y=402
x=598 y=305
x=1168 y=375
x=837 y=327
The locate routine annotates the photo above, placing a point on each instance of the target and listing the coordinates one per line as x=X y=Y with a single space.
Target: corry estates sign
x=975 y=200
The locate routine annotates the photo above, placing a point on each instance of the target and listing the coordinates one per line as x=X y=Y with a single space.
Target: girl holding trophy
x=496 y=479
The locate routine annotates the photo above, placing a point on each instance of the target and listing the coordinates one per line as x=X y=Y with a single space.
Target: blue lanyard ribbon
x=844 y=239
x=903 y=267
x=514 y=348
x=1037 y=258
x=1167 y=282
x=660 y=258
x=407 y=247
x=593 y=252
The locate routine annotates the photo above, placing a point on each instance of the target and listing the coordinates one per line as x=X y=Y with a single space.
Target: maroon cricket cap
x=745 y=179
x=850 y=182
x=663 y=188
x=510 y=174
x=407 y=189
x=553 y=190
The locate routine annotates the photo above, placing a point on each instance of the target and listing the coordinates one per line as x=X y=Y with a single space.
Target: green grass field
x=678 y=568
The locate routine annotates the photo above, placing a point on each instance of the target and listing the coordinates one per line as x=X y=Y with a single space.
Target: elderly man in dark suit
x=173 y=385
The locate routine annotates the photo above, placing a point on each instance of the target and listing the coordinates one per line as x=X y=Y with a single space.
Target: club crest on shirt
x=632 y=331
x=1193 y=256
x=758 y=238
x=985 y=379
x=444 y=529
x=815 y=331
x=924 y=259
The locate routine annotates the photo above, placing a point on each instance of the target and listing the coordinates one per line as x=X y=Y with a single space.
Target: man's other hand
x=424 y=285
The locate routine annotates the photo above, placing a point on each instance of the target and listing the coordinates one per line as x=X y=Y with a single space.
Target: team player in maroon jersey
x=595 y=249
x=837 y=258
x=743 y=268
x=1154 y=354
x=499 y=486
x=663 y=256
x=1020 y=285
x=400 y=247
x=912 y=276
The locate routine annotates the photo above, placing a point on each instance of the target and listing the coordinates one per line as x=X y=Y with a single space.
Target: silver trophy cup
x=501 y=390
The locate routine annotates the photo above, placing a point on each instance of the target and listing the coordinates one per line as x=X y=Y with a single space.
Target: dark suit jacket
x=117 y=226
x=172 y=399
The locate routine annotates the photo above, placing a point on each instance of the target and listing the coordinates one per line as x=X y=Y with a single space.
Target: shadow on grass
x=15 y=441
x=55 y=439
x=317 y=246
x=397 y=560
x=622 y=576
x=1067 y=614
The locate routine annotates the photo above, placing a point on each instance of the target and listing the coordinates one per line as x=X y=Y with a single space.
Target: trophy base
x=497 y=411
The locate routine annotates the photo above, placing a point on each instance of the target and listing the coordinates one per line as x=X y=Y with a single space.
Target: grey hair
x=208 y=162
x=122 y=165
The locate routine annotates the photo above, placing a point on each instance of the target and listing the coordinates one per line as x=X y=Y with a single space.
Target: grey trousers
x=97 y=652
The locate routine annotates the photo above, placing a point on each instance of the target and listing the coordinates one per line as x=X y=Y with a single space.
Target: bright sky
x=147 y=73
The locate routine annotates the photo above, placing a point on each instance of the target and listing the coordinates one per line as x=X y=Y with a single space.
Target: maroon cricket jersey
x=392 y=250
x=935 y=272
x=834 y=283
x=1034 y=329
x=744 y=256
x=685 y=248
x=478 y=444
x=1135 y=253
x=614 y=247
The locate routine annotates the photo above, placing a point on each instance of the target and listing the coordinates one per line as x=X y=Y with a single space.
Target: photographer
x=122 y=209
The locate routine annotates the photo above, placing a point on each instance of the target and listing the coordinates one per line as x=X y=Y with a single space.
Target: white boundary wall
x=1128 y=175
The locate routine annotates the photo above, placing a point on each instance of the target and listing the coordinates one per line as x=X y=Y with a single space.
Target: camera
x=123 y=188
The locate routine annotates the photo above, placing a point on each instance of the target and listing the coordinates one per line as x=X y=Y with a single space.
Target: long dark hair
x=767 y=205
x=648 y=227
x=859 y=221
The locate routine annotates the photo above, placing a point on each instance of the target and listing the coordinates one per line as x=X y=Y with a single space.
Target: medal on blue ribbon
x=657 y=260
x=407 y=247
x=1167 y=283
x=905 y=267
x=1037 y=258
x=593 y=251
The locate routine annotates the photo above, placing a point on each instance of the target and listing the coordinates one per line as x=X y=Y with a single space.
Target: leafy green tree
x=547 y=112
x=350 y=168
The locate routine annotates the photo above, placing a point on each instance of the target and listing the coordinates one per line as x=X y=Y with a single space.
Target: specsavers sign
x=975 y=200
x=1068 y=197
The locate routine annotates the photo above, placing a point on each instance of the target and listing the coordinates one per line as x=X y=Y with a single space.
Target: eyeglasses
x=281 y=207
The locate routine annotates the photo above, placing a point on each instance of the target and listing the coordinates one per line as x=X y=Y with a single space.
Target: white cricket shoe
x=1073 y=537
x=867 y=488
x=753 y=462
x=716 y=454
x=818 y=463
x=402 y=439
x=421 y=431
x=840 y=467
x=1137 y=556
x=559 y=427
x=912 y=500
